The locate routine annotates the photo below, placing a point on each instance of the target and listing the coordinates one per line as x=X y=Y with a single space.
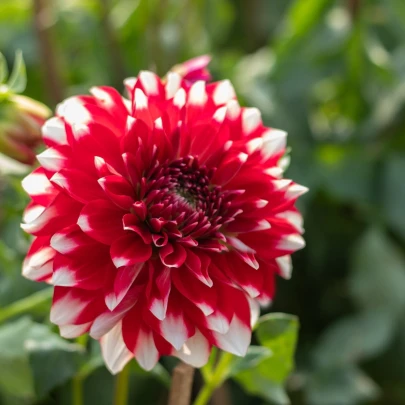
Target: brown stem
x=112 y=45
x=182 y=381
x=354 y=8
x=222 y=396
x=43 y=27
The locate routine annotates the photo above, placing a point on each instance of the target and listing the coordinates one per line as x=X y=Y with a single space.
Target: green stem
x=122 y=387
x=26 y=304
x=77 y=391
x=215 y=380
x=77 y=382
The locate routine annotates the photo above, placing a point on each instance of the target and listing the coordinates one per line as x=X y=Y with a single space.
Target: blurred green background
x=331 y=73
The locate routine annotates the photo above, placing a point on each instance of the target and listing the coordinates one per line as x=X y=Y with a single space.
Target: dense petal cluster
x=161 y=219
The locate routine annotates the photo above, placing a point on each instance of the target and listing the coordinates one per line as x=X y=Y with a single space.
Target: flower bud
x=194 y=69
x=21 y=119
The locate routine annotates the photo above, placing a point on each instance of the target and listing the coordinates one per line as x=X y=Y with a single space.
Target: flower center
x=181 y=196
x=189 y=183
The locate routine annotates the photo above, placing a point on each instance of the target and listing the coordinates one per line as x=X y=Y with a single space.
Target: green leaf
x=49 y=352
x=278 y=332
x=355 y=338
x=269 y=369
x=340 y=386
x=254 y=356
x=18 y=381
x=36 y=360
x=394 y=193
x=255 y=383
x=378 y=277
x=18 y=78
x=302 y=17
x=3 y=68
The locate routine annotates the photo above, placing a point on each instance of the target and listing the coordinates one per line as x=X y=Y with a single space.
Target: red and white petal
x=139 y=340
x=237 y=339
x=102 y=221
x=108 y=319
x=140 y=108
x=222 y=92
x=176 y=328
x=129 y=250
x=72 y=241
x=38 y=263
x=109 y=99
x=291 y=243
x=79 y=185
x=254 y=312
x=294 y=218
x=202 y=296
x=124 y=279
x=173 y=255
x=75 y=306
x=274 y=143
x=54 y=132
x=195 y=351
x=92 y=272
x=158 y=291
x=54 y=159
x=118 y=190
x=115 y=353
x=39 y=188
x=74 y=331
x=284 y=264
x=62 y=212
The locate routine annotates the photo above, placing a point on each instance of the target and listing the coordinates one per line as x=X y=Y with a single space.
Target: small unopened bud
x=194 y=69
x=21 y=119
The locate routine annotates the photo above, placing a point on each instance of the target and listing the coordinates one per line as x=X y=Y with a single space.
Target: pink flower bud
x=194 y=69
x=21 y=119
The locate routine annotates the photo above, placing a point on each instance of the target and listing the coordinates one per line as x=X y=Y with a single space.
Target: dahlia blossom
x=160 y=219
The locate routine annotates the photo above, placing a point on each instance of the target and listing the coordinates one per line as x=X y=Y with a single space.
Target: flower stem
x=26 y=304
x=182 y=384
x=77 y=382
x=122 y=387
x=215 y=379
x=77 y=391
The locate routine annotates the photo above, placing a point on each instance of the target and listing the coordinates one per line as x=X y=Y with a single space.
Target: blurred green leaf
x=355 y=338
x=18 y=78
x=340 y=386
x=301 y=18
x=378 y=279
x=394 y=193
x=33 y=360
x=3 y=68
x=16 y=379
x=255 y=383
x=278 y=334
x=53 y=360
x=254 y=356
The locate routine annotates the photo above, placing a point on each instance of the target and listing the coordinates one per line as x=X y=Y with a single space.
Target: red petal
x=199 y=294
x=118 y=190
x=129 y=250
x=78 y=185
x=102 y=221
x=173 y=255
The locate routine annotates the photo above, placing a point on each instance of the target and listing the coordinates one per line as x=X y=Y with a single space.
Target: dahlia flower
x=161 y=219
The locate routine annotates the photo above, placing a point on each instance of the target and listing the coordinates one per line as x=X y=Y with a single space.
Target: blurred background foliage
x=331 y=73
